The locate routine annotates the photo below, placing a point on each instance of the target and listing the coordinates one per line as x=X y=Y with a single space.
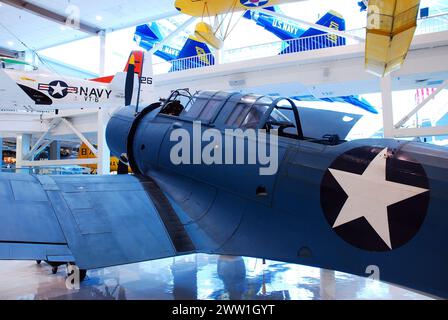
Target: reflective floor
x=194 y=277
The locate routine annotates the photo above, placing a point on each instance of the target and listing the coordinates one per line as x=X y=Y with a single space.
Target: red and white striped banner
x=422 y=94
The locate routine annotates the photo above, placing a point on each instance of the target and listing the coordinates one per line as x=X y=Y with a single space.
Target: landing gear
x=55 y=268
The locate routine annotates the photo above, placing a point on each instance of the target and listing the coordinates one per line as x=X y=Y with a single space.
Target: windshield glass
x=256 y=114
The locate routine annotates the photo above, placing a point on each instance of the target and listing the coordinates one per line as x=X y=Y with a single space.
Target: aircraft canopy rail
x=234 y=110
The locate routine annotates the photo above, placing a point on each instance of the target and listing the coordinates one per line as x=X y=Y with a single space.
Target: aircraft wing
x=95 y=221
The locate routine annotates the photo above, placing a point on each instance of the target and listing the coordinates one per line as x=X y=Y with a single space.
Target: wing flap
x=95 y=221
x=26 y=214
x=35 y=251
x=109 y=220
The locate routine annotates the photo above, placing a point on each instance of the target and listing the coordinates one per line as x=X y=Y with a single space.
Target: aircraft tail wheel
x=54 y=270
x=38 y=261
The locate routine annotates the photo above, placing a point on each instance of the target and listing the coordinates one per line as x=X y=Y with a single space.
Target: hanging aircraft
x=310 y=197
x=298 y=40
x=42 y=90
x=219 y=10
x=389 y=32
x=199 y=54
x=148 y=35
x=289 y=31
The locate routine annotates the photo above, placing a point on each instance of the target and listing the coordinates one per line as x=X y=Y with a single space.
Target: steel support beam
x=421 y=132
x=181 y=28
x=32 y=152
x=42 y=148
x=80 y=136
x=421 y=105
x=49 y=15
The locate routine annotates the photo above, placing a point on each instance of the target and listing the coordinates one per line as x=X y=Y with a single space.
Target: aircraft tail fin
x=199 y=53
x=331 y=19
x=142 y=88
x=313 y=39
x=138 y=56
x=147 y=35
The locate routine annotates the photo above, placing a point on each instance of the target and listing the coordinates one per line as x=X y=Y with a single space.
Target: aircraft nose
x=117 y=130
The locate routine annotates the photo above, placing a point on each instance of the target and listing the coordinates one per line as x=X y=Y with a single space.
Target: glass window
x=210 y=110
x=252 y=118
x=194 y=109
x=238 y=114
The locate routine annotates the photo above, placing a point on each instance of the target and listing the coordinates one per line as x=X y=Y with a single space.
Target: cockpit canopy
x=235 y=110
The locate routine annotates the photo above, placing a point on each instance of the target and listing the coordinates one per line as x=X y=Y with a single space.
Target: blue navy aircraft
x=299 y=40
x=351 y=206
x=148 y=35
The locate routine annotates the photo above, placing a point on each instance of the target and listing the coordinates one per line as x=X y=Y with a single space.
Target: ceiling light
x=99 y=18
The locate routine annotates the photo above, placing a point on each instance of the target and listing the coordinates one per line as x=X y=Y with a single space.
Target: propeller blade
x=129 y=86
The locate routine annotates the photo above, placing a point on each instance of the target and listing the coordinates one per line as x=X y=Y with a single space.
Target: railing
x=198 y=61
x=311 y=43
x=45 y=170
x=432 y=24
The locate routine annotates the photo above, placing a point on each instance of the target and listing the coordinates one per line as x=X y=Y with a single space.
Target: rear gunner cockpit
x=224 y=110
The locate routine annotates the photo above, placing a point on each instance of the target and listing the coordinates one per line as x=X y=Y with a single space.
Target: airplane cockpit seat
x=173 y=108
x=177 y=102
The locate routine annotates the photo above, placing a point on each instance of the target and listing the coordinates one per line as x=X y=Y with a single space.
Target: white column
x=388 y=114
x=102 y=36
x=103 y=148
x=23 y=146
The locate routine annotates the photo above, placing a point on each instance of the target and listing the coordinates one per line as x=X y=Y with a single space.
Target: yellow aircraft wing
x=210 y=8
x=390 y=29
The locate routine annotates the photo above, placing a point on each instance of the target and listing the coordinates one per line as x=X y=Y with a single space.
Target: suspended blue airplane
x=148 y=35
x=299 y=40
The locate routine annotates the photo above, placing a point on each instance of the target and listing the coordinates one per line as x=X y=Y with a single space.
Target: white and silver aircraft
x=42 y=90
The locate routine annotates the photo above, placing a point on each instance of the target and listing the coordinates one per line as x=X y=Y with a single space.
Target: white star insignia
x=370 y=194
x=58 y=89
x=250 y=3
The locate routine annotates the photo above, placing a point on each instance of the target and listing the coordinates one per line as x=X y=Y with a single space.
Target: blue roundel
x=254 y=3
